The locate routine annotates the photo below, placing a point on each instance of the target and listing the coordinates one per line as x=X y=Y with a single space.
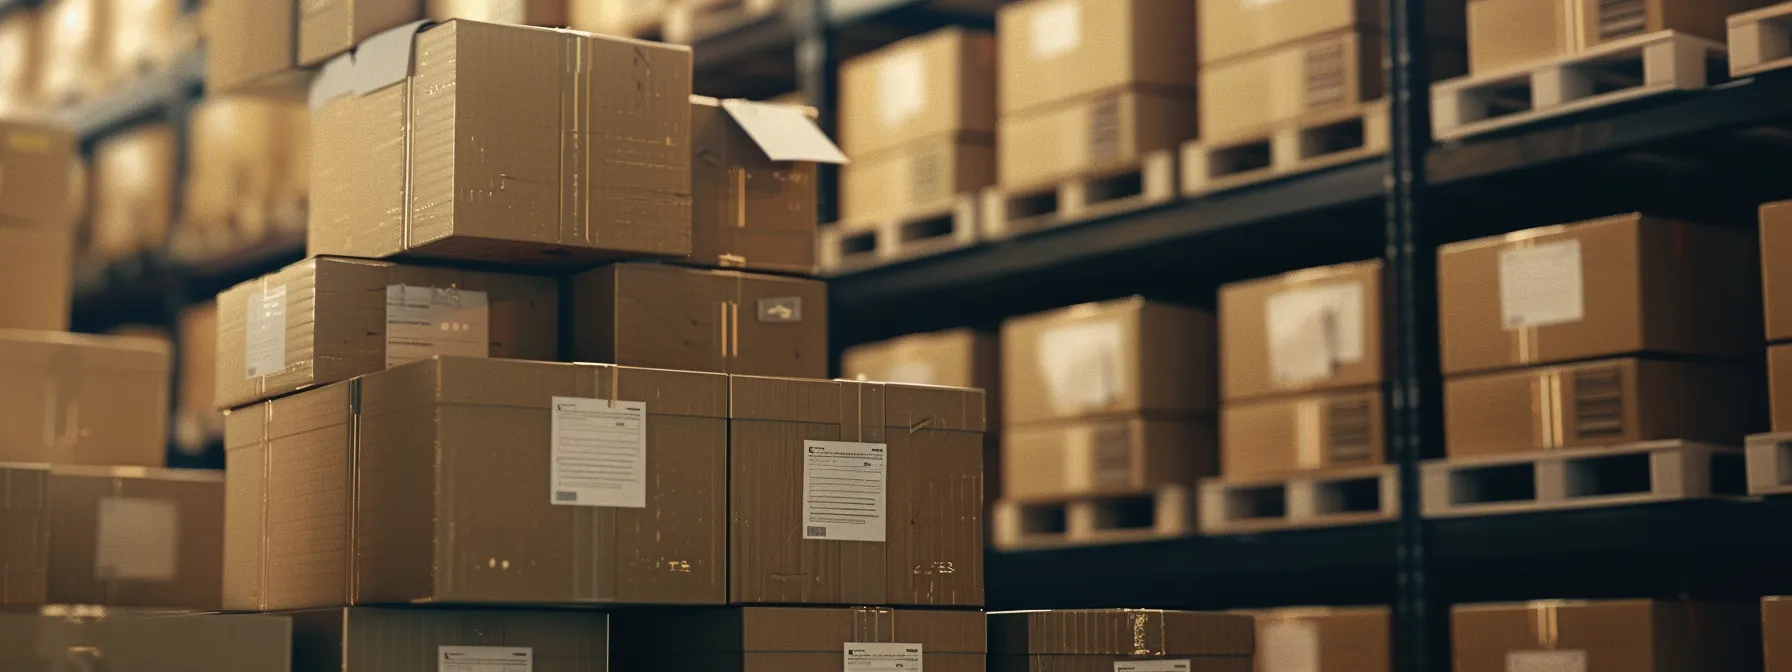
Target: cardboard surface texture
x=937 y=85
x=1106 y=456
x=1323 y=639
x=798 y=639
x=1096 y=639
x=748 y=210
x=93 y=638
x=918 y=178
x=1506 y=34
x=1776 y=244
x=1310 y=432
x=1776 y=631
x=1231 y=28
x=1313 y=329
x=133 y=206
x=364 y=639
x=20 y=62
x=196 y=419
x=1053 y=51
x=86 y=400
x=953 y=358
x=36 y=159
x=135 y=537
x=331 y=27
x=549 y=13
x=1113 y=358
x=1102 y=132
x=24 y=535
x=247 y=163
x=1779 y=381
x=252 y=45
x=1607 y=636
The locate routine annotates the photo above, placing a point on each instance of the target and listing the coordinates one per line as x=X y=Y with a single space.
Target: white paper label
x=1152 y=666
x=871 y=657
x=485 y=659
x=264 y=333
x=1057 y=28
x=138 y=540
x=599 y=453
x=1289 y=646
x=1541 y=285
x=843 y=490
x=902 y=82
x=1314 y=330
x=1083 y=365
x=1546 y=661
x=913 y=372
x=422 y=322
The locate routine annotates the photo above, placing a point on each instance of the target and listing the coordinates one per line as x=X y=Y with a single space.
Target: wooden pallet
x=1761 y=40
x=1345 y=497
x=853 y=245
x=1165 y=512
x=1299 y=146
x=1770 y=464
x=1637 y=473
x=692 y=20
x=1151 y=181
x=1608 y=74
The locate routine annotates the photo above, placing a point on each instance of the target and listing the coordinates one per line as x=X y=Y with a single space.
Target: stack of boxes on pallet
x=1122 y=640
x=1607 y=635
x=1770 y=455
x=1325 y=639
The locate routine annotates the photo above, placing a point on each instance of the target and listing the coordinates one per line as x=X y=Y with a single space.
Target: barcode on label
x=564 y=496
x=818 y=531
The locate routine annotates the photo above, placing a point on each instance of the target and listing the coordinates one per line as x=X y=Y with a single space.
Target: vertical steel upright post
x=817 y=66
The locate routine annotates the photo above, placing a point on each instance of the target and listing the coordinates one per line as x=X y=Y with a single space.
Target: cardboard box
x=1047 y=145
x=923 y=177
x=1779 y=380
x=800 y=639
x=364 y=639
x=288 y=494
x=327 y=319
x=196 y=418
x=1601 y=403
x=328 y=28
x=1106 y=456
x=549 y=13
x=474 y=486
x=1324 y=639
x=242 y=156
x=95 y=638
x=1319 y=431
x=1504 y=34
x=1096 y=639
x=954 y=358
x=1121 y=357
x=753 y=187
x=913 y=538
x=1314 y=329
x=133 y=205
x=20 y=49
x=24 y=535
x=75 y=35
x=1231 y=28
x=37 y=268
x=1599 y=288
x=144 y=37
x=668 y=317
x=550 y=186
x=930 y=87
x=36 y=158
x=1776 y=631
x=1607 y=636
x=1776 y=244
x=135 y=537
x=253 y=45
x=1055 y=51
x=616 y=17
x=79 y=399
x=1605 y=21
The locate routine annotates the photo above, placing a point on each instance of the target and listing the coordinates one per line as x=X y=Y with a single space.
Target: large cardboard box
x=753 y=185
x=145 y=36
x=243 y=155
x=327 y=319
x=953 y=358
x=135 y=537
x=1310 y=432
x=1046 y=145
x=933 y=86
x=1603 y=21
x=1121 y=357
x=96 y=638
x=79 y=399
x=364 y=639
x=844 y=492
x=1232 y=28
x=479 y=481
x=1122 y=455
x=133 y=204
x=1508 y=33
x=1607 y=636
x=1776 y=631
x=253 y=45
x=24 y=535
x=1324 y=639
x=1102 y=639
x=550 y=13
x=328 y=28
x=196 y=418
x=922 y=177
x=1053 y=51
x=36 y=158
x=74 y=42
x=801 y=639
x=1599 y=403
x=669 y=317
x=1779 y=381
x=578 y=161
x=1314 y=329
x=20 y=52
x=1600 y=288
x=37 y=269
x=1776 y=245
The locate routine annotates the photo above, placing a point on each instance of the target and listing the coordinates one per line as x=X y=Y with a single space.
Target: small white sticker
x=843 y=490
x=1057 y=28
x=1153 y=666
x=422 y=322
x=872 y=657
x=485 y=659
x=264 y=333
x=599 y=453
x=138 y=540
x=1546 y=661
x=1290 y=646
x=1541 y=285
x=1083 y=365
x=1314 y=330
x=913 y=372
x=902 y=83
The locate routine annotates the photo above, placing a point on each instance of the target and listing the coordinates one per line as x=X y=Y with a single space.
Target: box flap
x=784 y=132
x=385 y=59
x=335 y=80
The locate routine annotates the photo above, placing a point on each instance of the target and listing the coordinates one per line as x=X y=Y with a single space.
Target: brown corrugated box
x=616 y=17
x=37 y=268
x=794 y=639
x=1508 y=33
x=1122 y=455
x=24 y=535
x=938 y=85
x=922 y=177
x=145 y=36
x=1311 y=432
x=136 y=537
x=1104 y=131
x=669 y=317
x=1112 y=358
x=288 y=487
x=133 y=178
x=583 y=160
x=253 y=45
x=1313 y=329
x=1325 y=639
x=74 y=50
x=1599 y=288
x=550 y=13
x=366 y=639
x=1779 y=381
x=1600 y=403
x=36 y=158
x=1776 y=631
x=1236 y=27
x=95 y=638
x=930 y=440
x=953 y=358
x=1607 y=636
x=330 y=27
x=1776 y=244
x=20 y=58
x=750 y=209
x=243 y=156
x=1096 y=639
x=1052 y=51
x=457 y=501
x=79 y=399
x=1605 y=21
x=196 y=418
x=327 y=319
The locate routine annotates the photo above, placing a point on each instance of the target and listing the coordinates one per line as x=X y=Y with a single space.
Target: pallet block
x=1094 y=520
x=1621 y=71
x=1637 y=473
x=692 y=20
x=854 y=245
x=1770 y=464
x=1298 y=146
x=1330 y=499
x=1151 y=181
x=1760 y=40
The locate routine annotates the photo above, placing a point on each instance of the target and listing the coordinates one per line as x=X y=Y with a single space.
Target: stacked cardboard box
x=1607 y=636
x=953 y=358
x=1511 y=34
x=1325 y=639
x=89 y=638
x=1125 y=640
x=37 y=226
x=1776 y=243
x=1776 y=632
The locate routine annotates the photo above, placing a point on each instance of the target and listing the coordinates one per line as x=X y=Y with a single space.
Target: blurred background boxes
x=252 y=45
x=328 y=28
x=247 y=170
x=1106 y=456
x=76 y=43
x=1606 y=636
x=1776 y=631
x=1507 y=33
x=1776 y=244
x=133 y=206
x=1085 y=639
x=86 y=400
x=1113 y=358
x=1320 y=431
x=21 y=39
x=135 y=537
x=24 y=536
x=1324 y=639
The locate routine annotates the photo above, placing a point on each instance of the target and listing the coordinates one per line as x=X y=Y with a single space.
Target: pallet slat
x=1299 y=146
x=1638 y=473
x=1349 y=497
x=1760 y=40
x=855 y=245
x=1770 y=464
x=1166 y=512
x=1150 y=182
